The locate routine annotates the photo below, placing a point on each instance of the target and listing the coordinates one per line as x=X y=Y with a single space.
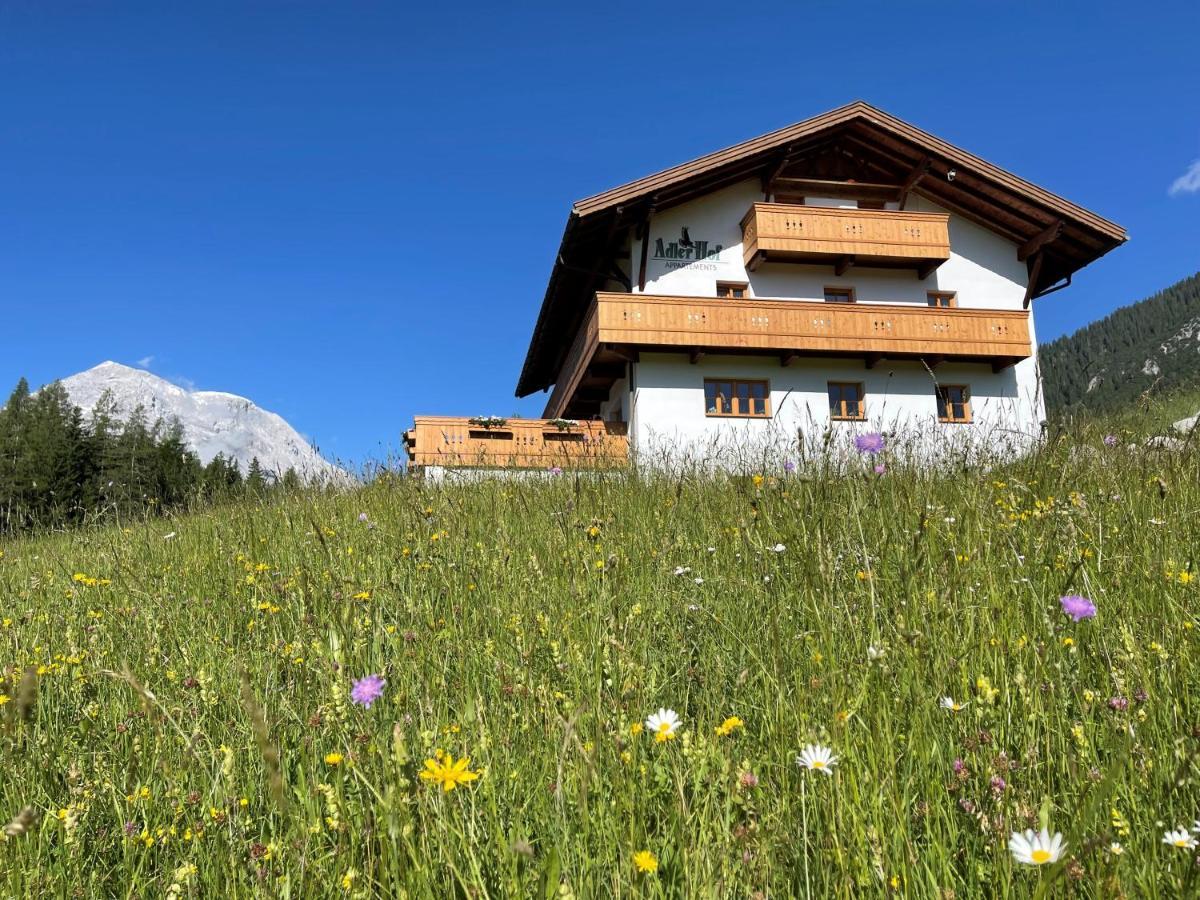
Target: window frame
x=735 y=412
x=944 y=403
x=862 y=401
x=847 y=291
x=743 y=286
x=951 y=296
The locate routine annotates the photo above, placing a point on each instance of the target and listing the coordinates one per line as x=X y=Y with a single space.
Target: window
x=736 y=398
x=953 y=403
x=846 y=401
x=839 y=295
x=942 y=299
x=734 y=290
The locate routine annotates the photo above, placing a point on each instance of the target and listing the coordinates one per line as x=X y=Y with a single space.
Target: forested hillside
x=59 y=468
x=1151 y=345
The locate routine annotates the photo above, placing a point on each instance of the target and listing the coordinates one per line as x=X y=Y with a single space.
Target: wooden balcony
x=618 y=326
x=517 y=443
x=844 y=237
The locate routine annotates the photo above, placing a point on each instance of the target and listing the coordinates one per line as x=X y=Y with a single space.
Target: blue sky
x=348 y=211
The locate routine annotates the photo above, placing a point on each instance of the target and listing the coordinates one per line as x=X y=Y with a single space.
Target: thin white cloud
x=145 y=361
x=1187 y=183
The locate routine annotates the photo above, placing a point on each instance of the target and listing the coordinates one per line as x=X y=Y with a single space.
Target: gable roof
x=1068 y=235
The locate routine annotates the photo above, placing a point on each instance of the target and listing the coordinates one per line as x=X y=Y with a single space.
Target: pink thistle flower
x=367 y=690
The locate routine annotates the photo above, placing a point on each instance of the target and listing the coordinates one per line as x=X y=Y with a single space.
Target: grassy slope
x=529 y=626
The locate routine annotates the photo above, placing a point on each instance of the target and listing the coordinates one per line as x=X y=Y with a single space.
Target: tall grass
x=178 y=720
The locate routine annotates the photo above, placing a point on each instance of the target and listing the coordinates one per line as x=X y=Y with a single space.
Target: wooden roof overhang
x=856 y=147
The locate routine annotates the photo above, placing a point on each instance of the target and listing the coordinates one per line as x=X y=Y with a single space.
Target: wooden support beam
x=605 y=371
x=1035 y=272
x=871 y=360
x=1036 y=243
x=615 y=274
x=927 y=269
x=817 y=187
x=621 y=351
x=771 y=172
x=645 y=246
x=786 y=359
x=932 y=362
x=755 y=262
x=840 y=267
x=1004 y=362
x=695 y=355
x=920 y=170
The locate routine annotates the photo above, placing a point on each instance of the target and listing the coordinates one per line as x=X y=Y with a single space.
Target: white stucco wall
x=666 y=405
x=669 y=409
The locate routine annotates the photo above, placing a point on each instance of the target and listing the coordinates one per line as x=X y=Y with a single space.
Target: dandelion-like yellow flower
x=646 y=862
x=449 y=774
x=334 y=759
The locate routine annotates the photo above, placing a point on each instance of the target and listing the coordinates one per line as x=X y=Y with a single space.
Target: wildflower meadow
x=975 y=681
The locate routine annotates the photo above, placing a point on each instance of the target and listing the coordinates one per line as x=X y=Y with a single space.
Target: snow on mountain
x=213 y=422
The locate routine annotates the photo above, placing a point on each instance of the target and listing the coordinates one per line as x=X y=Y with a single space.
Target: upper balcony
x=618 y=326
x=515 y=443
x=844 y=237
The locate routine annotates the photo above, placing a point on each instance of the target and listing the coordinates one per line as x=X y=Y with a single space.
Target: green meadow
x=177 y=716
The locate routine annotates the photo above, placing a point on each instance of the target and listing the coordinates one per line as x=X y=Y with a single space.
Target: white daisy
x=1115 y=849
x=1036 y=849
x=875 y=653
x=779 y=548
x=1180 y=838
x=951 y=704
x=663 y=725
x=682 y=570
x=817 y=758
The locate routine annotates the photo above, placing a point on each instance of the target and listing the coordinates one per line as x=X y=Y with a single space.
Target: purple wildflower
x=1110 y=440
x=789 y=467
x=871 y=442
x=998 y=785
x=959 y=767
x=556 y=470
x=363 y=517
x=1119 y=704
x=367 y=690
x=1078 y=607
x=880 y=469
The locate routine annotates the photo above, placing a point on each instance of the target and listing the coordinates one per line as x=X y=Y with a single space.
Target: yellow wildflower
x=645 y=860
x=730 y=725
x=448 y=773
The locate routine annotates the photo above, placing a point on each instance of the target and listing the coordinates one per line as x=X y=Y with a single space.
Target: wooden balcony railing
x=622 y=324
x=845 y=237
x=517 y=443
x=811 y=327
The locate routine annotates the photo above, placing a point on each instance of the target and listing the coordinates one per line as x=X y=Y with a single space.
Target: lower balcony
x=515 y=443
x=618 y=326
